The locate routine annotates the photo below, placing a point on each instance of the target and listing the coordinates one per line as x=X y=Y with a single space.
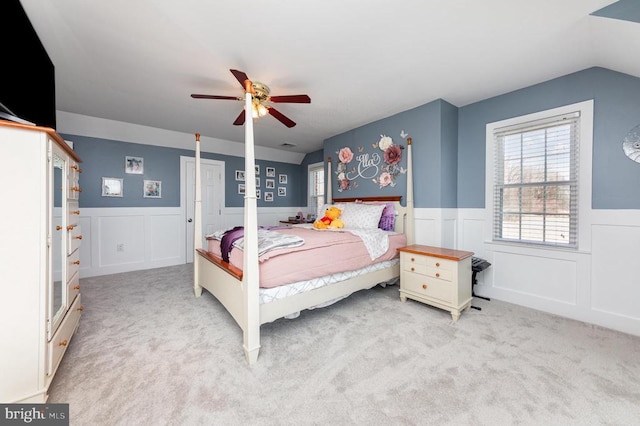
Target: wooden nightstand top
x=440 y=252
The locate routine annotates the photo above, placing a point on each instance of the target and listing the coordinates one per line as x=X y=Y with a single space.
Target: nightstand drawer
x=424 y=286
x=441 y=274
x=426 y=266
x=414 y=267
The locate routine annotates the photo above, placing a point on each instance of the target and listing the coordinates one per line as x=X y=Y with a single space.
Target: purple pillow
x=388 y=218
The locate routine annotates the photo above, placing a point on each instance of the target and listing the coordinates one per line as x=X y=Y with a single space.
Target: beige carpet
x=149 y=352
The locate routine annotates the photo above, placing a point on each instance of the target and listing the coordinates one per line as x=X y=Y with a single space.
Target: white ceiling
x=359 y=61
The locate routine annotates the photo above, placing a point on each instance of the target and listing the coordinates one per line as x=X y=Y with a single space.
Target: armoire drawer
x=73 y=287
x=73 y=212
x=75 y=237
x=73 y=263
x=60 y=341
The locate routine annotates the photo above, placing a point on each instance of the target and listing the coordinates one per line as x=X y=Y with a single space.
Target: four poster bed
x=250 y=284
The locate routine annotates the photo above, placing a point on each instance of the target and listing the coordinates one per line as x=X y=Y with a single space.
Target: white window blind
x=536 y=182
x=316 y=187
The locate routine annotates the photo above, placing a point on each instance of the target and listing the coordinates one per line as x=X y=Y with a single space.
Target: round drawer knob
x=424 y=286
x=437 y=275
x=413 y=269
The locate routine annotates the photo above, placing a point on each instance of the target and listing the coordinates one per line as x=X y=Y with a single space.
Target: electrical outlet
x=120 y=247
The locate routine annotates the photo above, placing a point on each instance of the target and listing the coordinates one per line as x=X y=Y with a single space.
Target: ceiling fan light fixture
x=258 y=110
x=260 y=93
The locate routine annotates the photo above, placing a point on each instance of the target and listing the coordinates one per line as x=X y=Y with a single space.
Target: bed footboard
x=224 y=282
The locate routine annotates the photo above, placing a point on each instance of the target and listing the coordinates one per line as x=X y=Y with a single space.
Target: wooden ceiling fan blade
x=281 y=117
x=240 y=76
x=240 y=119
x=294 y=99
x=197 y=96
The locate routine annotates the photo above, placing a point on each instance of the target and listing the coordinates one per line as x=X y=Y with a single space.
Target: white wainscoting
x=600 y=286
x=116 y=240
x=436 y=227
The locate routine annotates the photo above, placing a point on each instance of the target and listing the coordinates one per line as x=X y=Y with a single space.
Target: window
x=316 y=187
x=535 y=188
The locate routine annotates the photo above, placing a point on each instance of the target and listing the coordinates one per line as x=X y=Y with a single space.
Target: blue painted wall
x=449 y=142
x=433 y=129
x=616 y=111
x=106 y=158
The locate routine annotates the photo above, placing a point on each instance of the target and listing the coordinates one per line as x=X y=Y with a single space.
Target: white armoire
x=39 y=258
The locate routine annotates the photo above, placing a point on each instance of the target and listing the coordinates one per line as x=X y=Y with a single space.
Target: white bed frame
x=238 y=291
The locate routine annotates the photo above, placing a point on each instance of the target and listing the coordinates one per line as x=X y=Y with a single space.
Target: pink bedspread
x=323 y=253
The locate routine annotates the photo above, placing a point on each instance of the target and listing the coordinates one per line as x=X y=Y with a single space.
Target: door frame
x=183 y=197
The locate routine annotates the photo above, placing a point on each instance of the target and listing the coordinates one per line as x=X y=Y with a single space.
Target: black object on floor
x=477 y=265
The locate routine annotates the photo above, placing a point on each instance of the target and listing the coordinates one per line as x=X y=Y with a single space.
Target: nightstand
x=436 y=276
x=294 y=222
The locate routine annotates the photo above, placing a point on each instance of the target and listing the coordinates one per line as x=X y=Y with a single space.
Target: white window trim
x=584 y=179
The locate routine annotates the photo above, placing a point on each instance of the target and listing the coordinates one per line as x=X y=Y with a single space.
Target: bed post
x=251 y=275
x=409 y=225
x=197 y=225
x=329 y=199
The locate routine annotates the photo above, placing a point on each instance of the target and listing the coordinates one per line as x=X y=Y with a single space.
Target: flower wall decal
x=392 y=158
x=381 y=167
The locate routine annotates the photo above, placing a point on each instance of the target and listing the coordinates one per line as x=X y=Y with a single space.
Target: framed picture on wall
x=270 y=183
x=152 y=189
x=257 y=182
x=268 y=196
x=241 y=188
x=257 y=194
x=240 y=175
x=271 y=172
x=282 y=191
x=112 y=187
x=134 y=165
x=282 y=179
x=257 y=170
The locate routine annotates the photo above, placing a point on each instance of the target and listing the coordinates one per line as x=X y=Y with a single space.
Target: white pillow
x=325 y=207
x=361 y=216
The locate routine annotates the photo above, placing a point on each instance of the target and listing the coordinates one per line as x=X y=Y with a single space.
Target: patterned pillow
x=388 y=218
x=362 y=216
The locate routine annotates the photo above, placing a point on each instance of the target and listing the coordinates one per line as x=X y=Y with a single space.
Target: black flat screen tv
x=27 y=75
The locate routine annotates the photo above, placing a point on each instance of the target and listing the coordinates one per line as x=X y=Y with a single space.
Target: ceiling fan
x=260 y=96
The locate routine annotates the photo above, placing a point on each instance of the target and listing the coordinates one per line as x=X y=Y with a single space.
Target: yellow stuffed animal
x=330 y=219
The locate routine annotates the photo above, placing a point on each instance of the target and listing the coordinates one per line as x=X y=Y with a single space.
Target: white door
x=212 y=176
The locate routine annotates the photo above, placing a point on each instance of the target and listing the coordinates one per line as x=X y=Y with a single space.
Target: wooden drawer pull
x=58 y=228
x=81 y=308
x=413 y=269
x=70 y=227
x=63 y=343
x=424 y=286
x=413 y=259
x=75 y=212
x=437 y=275
x=438 y=264
x=79 y=237
x=76 y=287
x=77 y=262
